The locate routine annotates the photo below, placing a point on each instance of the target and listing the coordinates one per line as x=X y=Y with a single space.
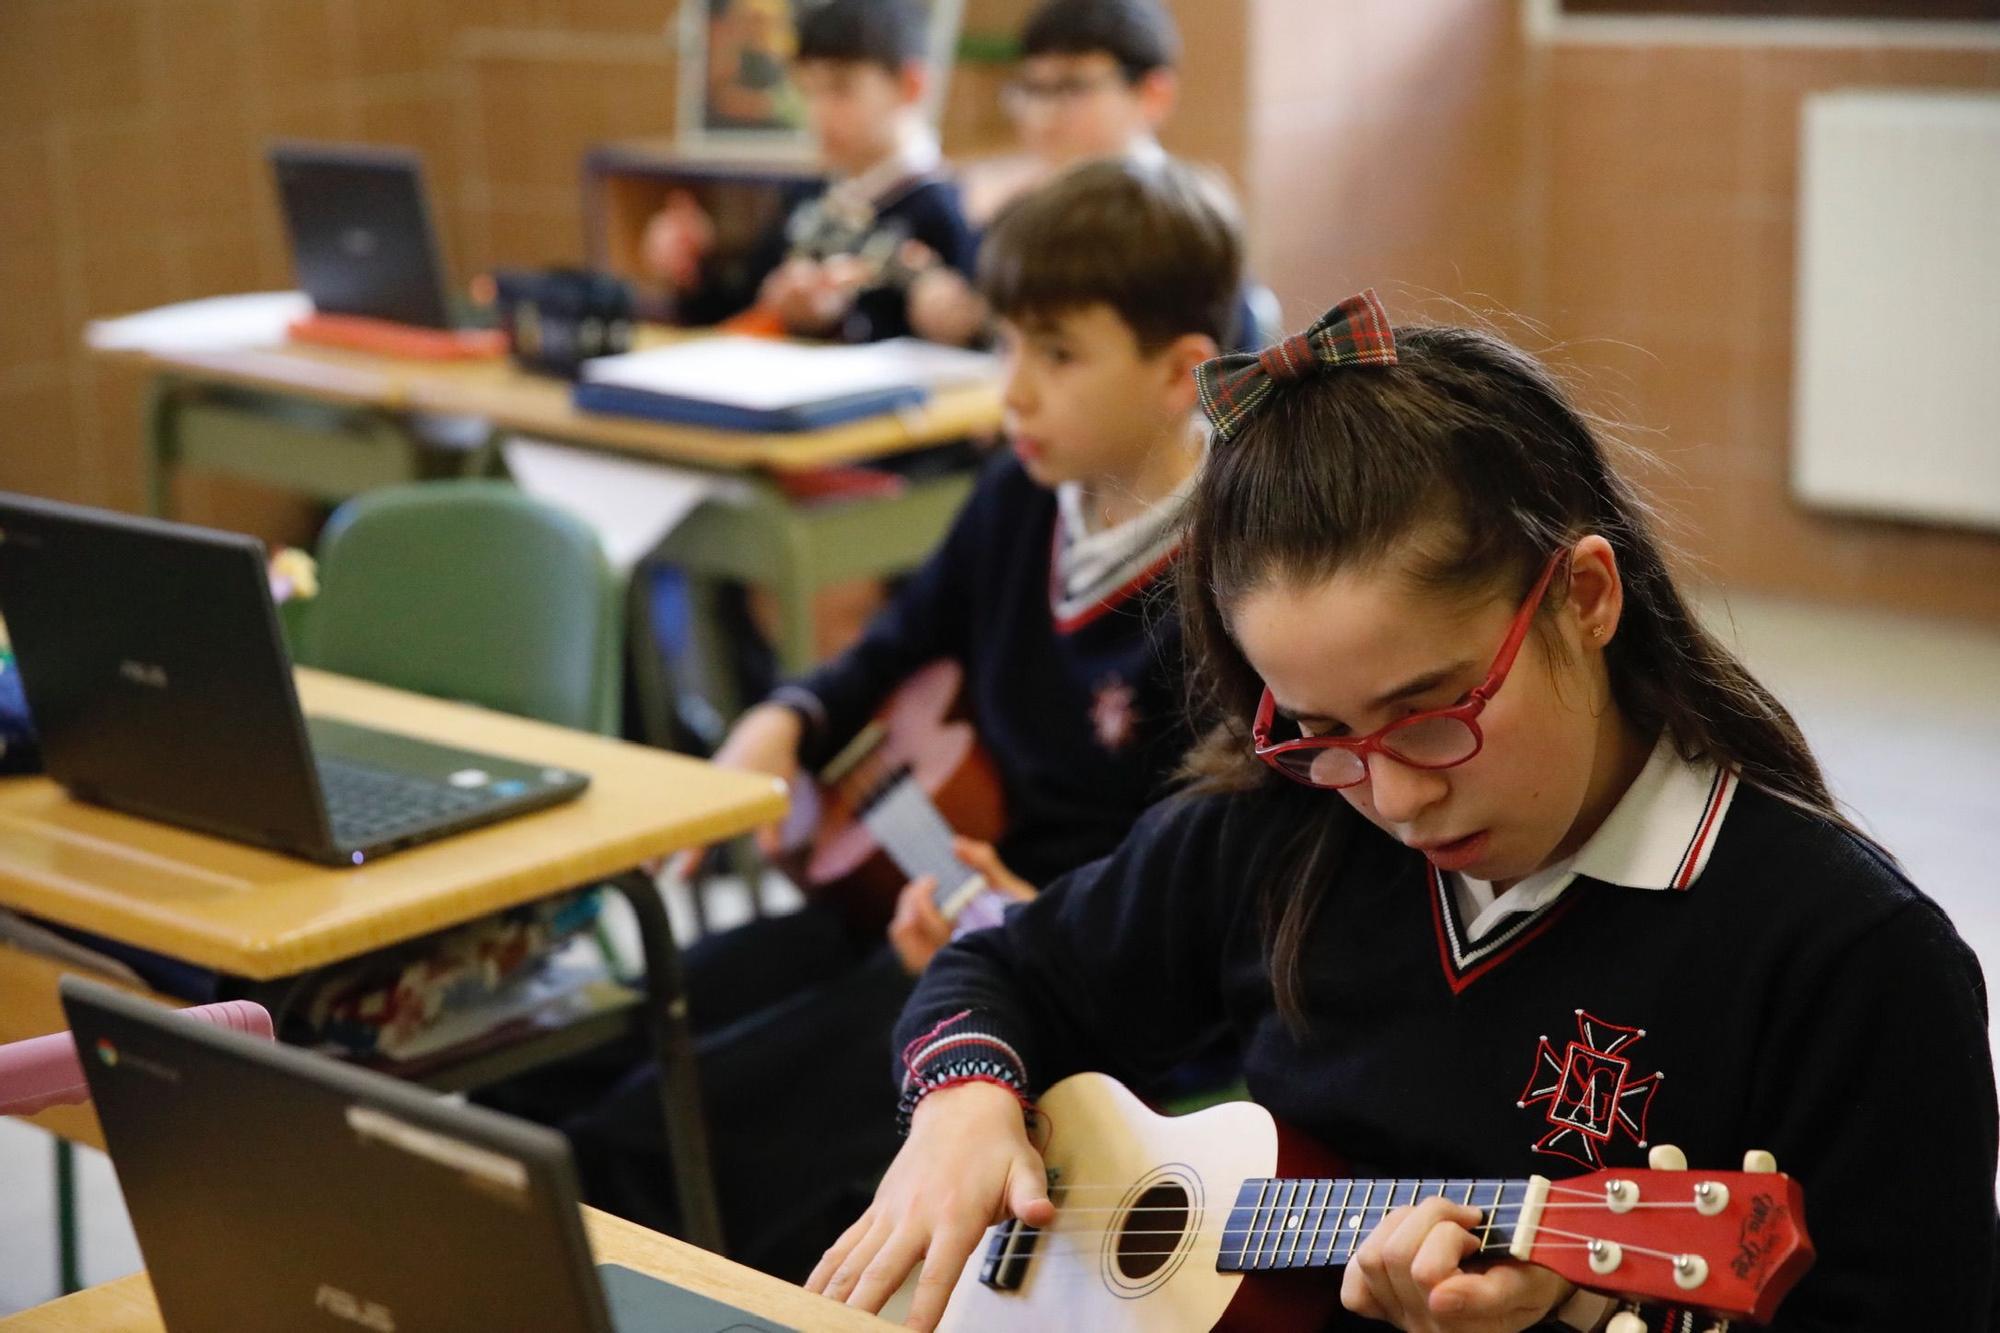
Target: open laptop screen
x=362 y=238
x=275 y=1189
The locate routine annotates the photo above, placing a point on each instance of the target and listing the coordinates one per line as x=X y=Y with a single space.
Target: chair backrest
x=471 y=590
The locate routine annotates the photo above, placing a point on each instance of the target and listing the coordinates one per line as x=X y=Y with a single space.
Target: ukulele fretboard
x=1290 y=1223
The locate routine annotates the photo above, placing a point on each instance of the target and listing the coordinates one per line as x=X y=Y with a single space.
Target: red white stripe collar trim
x=1664 y=828
x=1660 y=835
x=1072 y=615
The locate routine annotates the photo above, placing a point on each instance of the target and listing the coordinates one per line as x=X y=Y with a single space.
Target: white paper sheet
x=760 y=374
x=214 y=324
x=632 y=504
x=920 y=362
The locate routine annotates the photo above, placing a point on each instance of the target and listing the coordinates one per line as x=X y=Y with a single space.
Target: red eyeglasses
x=1439 y=738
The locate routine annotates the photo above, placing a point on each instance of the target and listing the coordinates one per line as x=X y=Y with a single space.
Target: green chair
x=475 y=591
x=471 y=590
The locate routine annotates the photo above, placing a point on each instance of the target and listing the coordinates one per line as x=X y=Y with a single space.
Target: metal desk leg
x=159 y=453
x=68 y=1259
x=673 y=1050
x=792 y=585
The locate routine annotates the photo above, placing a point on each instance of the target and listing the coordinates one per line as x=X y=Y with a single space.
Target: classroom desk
x=331 y=423
x=261 y=915
x=127 y=1306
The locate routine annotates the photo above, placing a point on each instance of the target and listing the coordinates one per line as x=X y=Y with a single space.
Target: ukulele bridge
x=1007 y=1255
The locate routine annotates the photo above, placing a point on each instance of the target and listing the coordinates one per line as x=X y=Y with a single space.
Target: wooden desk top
x=126 y=1305
x=259 y=914
x=509 y=397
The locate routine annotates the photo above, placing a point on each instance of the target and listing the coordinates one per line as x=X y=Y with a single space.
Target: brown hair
x=1471 y=446
x=1157 y=241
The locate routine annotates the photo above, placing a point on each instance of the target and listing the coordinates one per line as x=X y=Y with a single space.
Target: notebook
x=751 y=384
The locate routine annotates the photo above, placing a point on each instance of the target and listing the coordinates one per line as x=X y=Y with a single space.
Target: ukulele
x=887 y=805
x=876 y=258
x=1218 y=1219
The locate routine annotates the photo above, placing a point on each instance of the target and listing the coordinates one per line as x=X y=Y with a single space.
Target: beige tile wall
x=131 y=172
x=1636 y=206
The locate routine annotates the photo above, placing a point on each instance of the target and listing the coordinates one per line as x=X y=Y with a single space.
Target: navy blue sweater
x=1086 y=725
x=1801 y=996
x=925 y=209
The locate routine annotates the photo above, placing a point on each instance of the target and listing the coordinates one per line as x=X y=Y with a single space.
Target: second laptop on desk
x=159 y=685
x=273 y=1189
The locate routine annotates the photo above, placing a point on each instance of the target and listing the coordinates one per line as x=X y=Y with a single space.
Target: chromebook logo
x=106 y=1051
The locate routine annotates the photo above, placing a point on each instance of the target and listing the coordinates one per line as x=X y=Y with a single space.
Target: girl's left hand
x=1408 y=1273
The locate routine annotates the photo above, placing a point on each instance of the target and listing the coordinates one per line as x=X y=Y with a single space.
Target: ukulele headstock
x=1732 y=1243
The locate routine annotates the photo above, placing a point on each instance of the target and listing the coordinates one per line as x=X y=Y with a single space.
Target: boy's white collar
x=916 y=153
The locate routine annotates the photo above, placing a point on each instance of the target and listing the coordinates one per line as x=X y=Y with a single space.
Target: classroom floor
x=1902 y=711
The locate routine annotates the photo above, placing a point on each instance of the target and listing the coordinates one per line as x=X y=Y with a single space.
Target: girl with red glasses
x=1496 y=863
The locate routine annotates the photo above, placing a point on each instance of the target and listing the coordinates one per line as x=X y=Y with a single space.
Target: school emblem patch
x=1588 y=1091
x=1112 y=716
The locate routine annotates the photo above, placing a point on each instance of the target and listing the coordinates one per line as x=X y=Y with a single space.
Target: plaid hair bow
x=1353 y=333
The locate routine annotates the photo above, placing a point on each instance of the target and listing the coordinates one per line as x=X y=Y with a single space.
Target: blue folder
x=622 y=400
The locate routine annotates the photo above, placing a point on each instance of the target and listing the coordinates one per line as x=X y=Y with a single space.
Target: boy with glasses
x=1097 y=79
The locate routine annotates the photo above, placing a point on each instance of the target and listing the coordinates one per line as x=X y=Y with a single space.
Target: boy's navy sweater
x=1800 y=996
x=926 y=210
x=1086 y=727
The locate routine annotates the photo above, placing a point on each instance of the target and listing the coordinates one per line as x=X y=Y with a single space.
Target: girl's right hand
x=966 y=1165
x=764 y=740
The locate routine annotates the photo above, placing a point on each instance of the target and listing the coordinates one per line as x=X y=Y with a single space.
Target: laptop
x=271 y=1188
x=159 y=685
x=362 y=238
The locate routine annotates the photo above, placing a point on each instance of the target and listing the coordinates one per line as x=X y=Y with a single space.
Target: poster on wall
x=736 y=94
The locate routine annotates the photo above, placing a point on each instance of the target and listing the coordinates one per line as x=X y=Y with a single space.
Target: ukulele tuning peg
x=1625 y=1322
x=1666 y=1157
x=1759 y=1162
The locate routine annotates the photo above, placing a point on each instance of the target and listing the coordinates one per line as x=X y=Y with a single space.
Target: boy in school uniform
x=840 y=265
x=1097 y=79
x=1113 y=282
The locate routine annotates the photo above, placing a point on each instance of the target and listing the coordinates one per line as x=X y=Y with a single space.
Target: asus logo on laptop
x=143 y=673
x=346 y=1305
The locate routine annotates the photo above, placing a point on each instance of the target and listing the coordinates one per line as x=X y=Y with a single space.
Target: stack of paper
x=214 y=324
x=759 y=384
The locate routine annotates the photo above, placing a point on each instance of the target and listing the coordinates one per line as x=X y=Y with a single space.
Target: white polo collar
x=1659 y=836
x=914 y=156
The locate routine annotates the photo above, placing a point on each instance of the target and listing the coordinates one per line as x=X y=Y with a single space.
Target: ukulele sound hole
x=1152 y=1230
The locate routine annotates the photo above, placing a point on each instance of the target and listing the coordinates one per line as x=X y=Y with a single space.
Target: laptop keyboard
x=365 y=804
